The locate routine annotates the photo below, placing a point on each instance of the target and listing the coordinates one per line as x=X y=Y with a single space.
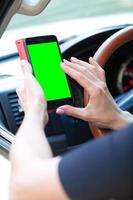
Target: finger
x=83 y=63
x=71 y=111
x=101 y=72
x=21 y=94
x=88 y=81
x=86 y=97
x=28 y=76
x=75 y=70
x=30 y=83
x=70 y=71
x=26 y=67
x=86 y=70
x=93 y=67
x=20 y=89
x=92 y=61
x=74 y=66
x=79 y=62
x=78 y=76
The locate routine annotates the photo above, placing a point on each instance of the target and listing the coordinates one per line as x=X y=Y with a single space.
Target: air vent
x=16 y=109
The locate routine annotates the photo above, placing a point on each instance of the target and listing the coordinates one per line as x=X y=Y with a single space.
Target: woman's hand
x=101 y=109
x=31 y=95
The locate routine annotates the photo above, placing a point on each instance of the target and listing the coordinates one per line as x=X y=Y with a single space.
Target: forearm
x=30 y=143
x=33 y=165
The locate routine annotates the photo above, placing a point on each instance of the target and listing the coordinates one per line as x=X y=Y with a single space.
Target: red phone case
x=21 y=49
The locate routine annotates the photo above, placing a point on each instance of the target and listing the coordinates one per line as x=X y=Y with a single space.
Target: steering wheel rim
x=102 y=55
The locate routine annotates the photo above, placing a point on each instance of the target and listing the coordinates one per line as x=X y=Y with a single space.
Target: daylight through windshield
x=59 y=10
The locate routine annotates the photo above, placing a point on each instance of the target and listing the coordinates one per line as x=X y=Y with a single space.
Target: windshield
x=65 y=19
x=59 y=10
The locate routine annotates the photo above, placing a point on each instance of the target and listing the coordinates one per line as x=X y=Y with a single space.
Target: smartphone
x=45 y=57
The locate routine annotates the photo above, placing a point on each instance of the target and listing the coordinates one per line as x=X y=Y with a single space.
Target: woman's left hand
x=31 y=95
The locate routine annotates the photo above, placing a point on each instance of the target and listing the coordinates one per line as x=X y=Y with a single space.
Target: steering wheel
x=104 y=53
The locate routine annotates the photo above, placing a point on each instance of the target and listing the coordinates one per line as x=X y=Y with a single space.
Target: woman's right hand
x=101 y=109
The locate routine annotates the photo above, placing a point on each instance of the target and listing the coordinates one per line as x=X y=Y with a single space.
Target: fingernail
x=65 y=61
x=63 y=64
x=73 y=58
x=60 y=112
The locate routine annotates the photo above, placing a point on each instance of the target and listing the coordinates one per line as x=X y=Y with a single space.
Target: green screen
x=45 y=59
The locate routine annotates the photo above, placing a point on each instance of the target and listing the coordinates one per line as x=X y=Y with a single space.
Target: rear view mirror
x=32 y=7
x=8 y=8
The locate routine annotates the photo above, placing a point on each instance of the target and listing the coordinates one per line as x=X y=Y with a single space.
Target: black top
x=101 y=169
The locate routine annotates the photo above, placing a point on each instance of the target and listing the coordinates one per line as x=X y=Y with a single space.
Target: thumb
x=71 y=111
x=92 y=61
x=26 y=67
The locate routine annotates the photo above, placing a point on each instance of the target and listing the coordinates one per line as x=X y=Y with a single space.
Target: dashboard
x=65 y=133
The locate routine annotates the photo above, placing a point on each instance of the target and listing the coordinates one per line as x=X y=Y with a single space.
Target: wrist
x=122 y=120
x=37 y=115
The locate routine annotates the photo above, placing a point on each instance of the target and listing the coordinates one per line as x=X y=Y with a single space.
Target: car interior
x=111 y=46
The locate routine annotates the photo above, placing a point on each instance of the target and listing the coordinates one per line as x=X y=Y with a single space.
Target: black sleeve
x=101 y=169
